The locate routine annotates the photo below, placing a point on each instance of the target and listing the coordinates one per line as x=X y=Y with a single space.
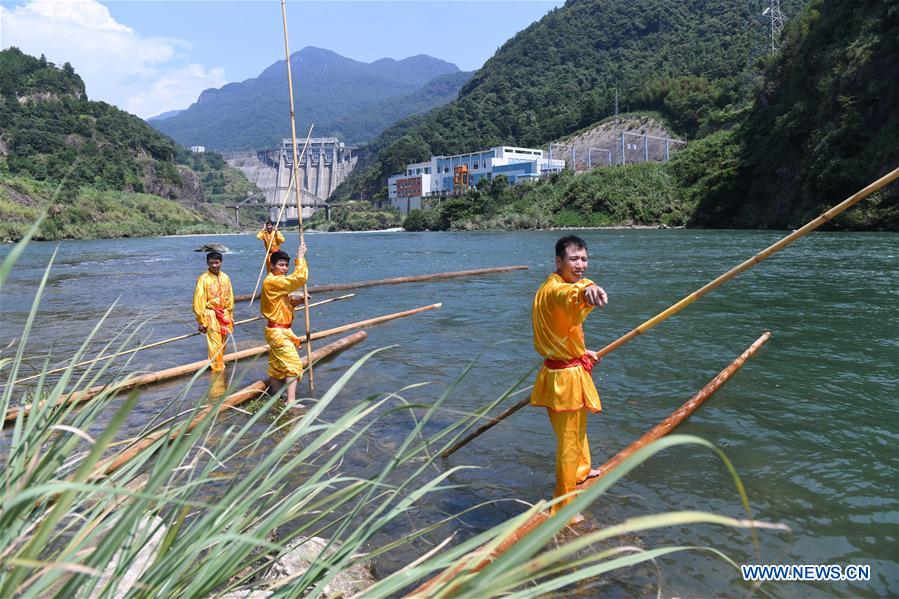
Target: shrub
x=417 y=220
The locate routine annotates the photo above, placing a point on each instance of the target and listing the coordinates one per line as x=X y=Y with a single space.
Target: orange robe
x=567 y=393
x=213 y=296
x=274 y=303
x=275 y=238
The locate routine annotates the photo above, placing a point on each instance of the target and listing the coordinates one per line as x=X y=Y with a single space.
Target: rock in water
x=212 y=247
x=303 y=551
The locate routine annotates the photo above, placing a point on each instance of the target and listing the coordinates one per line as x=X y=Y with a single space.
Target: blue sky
x=150 y=57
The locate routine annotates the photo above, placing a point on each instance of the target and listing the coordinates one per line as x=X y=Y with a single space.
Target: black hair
x=213 y=255
x=569 y=240
x=278 y=256
x=269 y=222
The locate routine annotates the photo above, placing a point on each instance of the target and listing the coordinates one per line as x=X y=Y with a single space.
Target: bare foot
x=594 y=472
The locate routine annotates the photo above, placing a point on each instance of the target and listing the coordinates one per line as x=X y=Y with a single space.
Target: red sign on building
x=408 y=188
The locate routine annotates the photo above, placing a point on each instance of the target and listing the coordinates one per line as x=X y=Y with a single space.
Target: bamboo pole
x=374 y=321
x=164 y=341
x=235 y=399
x=399 y=280
x=657 y=432
x=686 y=301
x=293 y=137
x=170 y=373
x=268 y=248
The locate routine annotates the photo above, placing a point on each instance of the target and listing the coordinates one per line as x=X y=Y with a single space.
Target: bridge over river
x=325 y=165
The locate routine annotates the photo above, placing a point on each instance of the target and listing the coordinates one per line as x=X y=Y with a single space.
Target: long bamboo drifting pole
x=686 y=301
x=399 y=280
x=268 y=247
x=235 y=399
x=296 y=187
x=170 y=373
x=164 y=341
x=657 y=432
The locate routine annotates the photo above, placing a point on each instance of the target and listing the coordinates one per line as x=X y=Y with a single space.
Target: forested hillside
x=823 y=125
x=330 y=90
x=367 y=122
x=690 y=60
x=775 y=138
x=79 y=159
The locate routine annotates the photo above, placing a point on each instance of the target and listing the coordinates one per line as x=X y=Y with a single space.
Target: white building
x=198 y=149
x=443 y=175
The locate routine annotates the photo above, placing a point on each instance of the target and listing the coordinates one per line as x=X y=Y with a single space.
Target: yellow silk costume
x=276 y=239
x=214 y=294
x=567 y=393
x=265 y=236
x=283 y=359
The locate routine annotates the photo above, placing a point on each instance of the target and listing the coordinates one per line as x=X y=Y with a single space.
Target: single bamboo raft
x=170 y=373
x=823 y=218
x=657 y=432
x=399 y=280
x=235 y=399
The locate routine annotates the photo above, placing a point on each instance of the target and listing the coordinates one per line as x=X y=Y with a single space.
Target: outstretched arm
x=595 y=295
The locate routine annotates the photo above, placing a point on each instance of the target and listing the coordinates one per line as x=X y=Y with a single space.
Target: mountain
x=367 y=122
x=327 y=88
x=775 y=138
x=97 y=170
x=164 y=115
x=561 y=74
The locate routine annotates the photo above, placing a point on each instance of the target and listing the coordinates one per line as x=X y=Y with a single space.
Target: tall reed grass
x=198 y=510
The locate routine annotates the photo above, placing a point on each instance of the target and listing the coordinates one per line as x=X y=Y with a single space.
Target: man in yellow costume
x=214 y=309
x=271 y=239
x=564 y=385
x=277 y=306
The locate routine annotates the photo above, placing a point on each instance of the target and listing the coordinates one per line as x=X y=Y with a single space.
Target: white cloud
x=143 y=75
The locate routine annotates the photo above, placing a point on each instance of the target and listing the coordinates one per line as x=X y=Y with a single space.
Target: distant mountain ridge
x=373 y=118
x=328 y=88
x=164 y=115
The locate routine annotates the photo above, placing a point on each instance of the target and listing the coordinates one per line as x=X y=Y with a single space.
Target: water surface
x=810 y=423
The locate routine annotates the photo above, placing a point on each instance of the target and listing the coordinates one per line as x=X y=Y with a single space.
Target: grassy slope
x=122 y=178
x=91 y=213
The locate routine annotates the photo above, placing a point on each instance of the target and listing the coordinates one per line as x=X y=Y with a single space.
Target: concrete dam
x=326 y=164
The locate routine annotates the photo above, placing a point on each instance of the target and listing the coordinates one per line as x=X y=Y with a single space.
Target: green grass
x=356 y=216
x=635 y=194
x=88 y=213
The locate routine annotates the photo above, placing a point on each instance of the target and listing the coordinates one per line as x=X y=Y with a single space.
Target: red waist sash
x=220 y=316
x=585 y=362
x=277 y=325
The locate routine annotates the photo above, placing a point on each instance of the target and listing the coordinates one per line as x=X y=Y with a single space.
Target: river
x=810 y=423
